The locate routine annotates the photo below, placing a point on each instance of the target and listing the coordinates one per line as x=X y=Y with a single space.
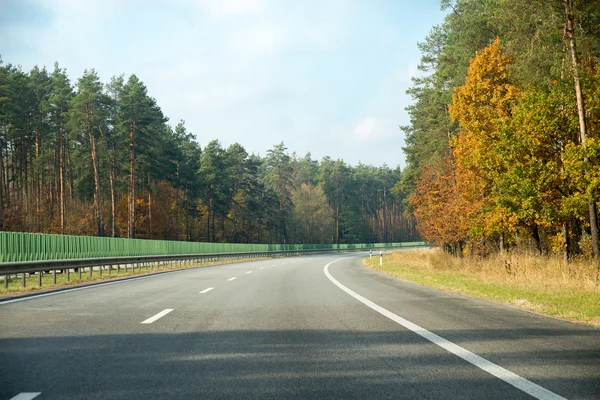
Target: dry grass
x=542 y=284
x=515 y=268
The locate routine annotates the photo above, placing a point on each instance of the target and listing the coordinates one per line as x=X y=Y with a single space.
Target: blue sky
x=326 y=77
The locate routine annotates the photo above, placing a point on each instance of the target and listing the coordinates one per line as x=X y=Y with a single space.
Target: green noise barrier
x=18 y=246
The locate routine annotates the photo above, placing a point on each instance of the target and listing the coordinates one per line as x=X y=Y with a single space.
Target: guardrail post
x=23 y=279
x=68 y=274
x=91 y=272
x=79 y=270
x=6 y=277
x=100 y=270
x=40 y=278
x=54 y=277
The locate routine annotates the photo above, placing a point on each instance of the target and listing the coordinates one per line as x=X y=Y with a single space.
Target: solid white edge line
x=207 y=290
x=26 y=396
x=232 y=279
x=509 y=377
x=157 y=316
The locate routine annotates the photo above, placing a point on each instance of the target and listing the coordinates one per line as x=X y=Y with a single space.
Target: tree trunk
x=38 y=181
x=51 y=199
x=213 y=226
x=61 y=183
x=111 y=179
x=284 y=228
x=536 y=238
x=150 y=235
x=222 y=238
x=8 y=180
x=97 y=194
x=337 y=221
x=131 y=197
x=385 y=217
x=187 y=228
x=24 y=175
x=113 y=201
x=1 y=188
x=70 y=171
x=208 y=213
x=52 y=187
x=593 y=214
x=566 y=247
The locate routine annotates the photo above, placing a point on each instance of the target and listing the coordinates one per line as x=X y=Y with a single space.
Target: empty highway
x=313 y=327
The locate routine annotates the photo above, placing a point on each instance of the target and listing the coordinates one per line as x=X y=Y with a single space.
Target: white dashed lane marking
x=157 y=316
x=26 y=396
x=207 y=290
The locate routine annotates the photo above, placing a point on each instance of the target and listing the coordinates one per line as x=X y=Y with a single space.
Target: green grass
x=572 y=304
x=15 y=285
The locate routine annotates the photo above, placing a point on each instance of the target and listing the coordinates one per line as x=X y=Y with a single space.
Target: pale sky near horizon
x=327 y=77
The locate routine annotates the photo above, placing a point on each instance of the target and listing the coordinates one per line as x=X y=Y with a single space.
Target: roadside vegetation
x=503 y=149
x=545 y=285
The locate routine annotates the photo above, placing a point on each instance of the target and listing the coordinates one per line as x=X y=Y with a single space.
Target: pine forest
x=100 y=158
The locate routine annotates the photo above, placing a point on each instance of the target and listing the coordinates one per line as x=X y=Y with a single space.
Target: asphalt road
x=284 y=329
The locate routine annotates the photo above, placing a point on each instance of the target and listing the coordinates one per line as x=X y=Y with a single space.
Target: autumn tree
x=440 y=207
x=482 y=108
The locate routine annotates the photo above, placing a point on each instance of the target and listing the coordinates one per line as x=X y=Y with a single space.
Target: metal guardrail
x=110 y=264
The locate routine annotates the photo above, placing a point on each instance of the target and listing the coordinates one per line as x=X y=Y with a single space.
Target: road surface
x=313 y=327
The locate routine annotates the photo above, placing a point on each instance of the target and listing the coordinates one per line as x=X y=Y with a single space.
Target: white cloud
x=371 y=128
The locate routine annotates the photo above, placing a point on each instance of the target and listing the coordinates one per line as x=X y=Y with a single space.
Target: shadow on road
x=274 y=365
